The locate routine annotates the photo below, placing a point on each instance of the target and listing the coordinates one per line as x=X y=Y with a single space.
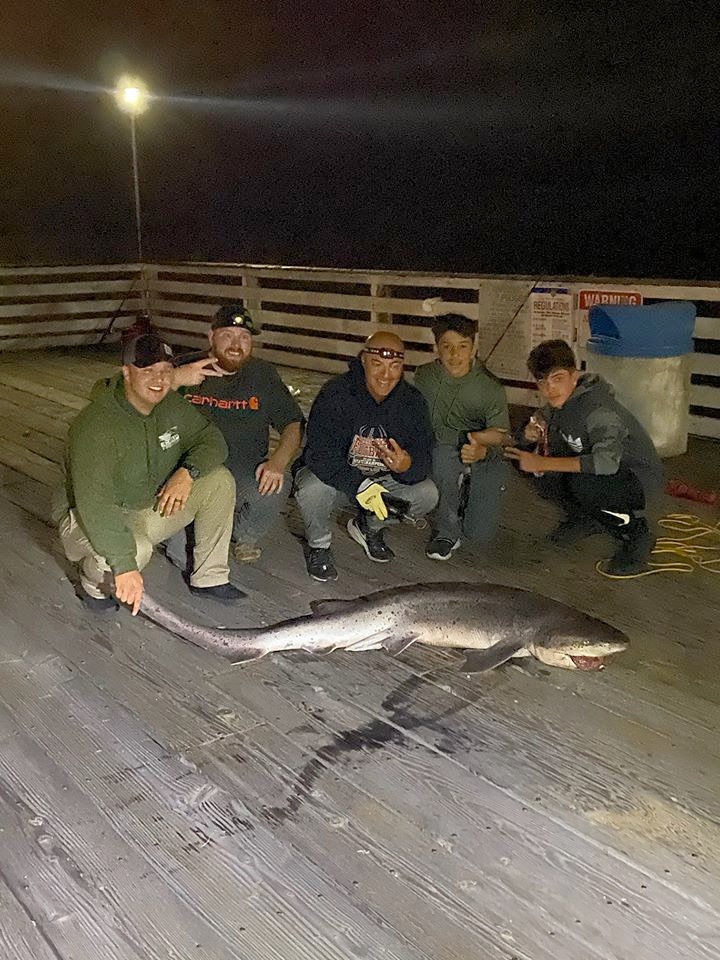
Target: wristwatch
x=193 y=471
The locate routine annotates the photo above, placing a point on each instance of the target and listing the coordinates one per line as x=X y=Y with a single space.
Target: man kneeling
x=594 y=459
x=368 y=437
x=140 y=464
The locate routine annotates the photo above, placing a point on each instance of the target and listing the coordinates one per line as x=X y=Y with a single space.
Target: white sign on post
x=551 y=315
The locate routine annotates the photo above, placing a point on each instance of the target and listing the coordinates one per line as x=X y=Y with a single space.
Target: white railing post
x=379 y=291
x=252 y=304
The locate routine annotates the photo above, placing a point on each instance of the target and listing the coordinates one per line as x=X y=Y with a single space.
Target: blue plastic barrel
x=655 y=330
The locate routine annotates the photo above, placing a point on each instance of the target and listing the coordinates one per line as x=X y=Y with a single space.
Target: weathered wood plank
x=54 y=411
x=56 y=378
x=204 y=843
x=311 y=298
x=51 y=448
x=704 y=426
x=48 y=310
x=30 y=418
x=29 y=463
x=33 y=386
x=482 y=757
x=471 y=878
x=20 y=938
x=10 y=344
x=315 y=274
x=26 y=291
x=73 y=870
x=70 y=269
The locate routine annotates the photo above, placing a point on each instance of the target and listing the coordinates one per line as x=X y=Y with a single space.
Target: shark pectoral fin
x=480 y=661
x=320 y=607
x=373 y=641
x=395 y=645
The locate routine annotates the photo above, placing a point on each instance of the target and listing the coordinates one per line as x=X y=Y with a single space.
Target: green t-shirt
x=476 y=401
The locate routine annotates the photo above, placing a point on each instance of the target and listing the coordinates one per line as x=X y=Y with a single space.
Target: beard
x=231 y=364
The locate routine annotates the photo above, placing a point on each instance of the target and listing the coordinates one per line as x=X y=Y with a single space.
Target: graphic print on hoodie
x=346 y=427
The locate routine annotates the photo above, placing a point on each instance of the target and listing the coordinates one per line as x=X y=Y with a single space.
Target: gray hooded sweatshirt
x=594 y=426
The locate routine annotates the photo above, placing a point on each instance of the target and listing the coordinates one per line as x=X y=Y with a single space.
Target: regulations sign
x=551 y=315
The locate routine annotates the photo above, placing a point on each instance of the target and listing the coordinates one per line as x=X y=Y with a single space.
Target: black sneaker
x=224 y=592
x=98 y=604
x=441 y=549
x=575 y=528
x=319 y=563
x=634 y=550
x=370 y=540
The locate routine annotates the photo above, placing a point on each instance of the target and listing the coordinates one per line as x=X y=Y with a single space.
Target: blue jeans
x=487 y=481
x=317 y=500
x=253 y=518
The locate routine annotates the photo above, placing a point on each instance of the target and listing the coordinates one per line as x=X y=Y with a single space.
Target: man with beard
x=244 y=396
x=140 y=464
x=368 y=436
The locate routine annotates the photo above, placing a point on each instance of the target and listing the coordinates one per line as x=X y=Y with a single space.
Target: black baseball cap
x=234 y=315
x=146 y=350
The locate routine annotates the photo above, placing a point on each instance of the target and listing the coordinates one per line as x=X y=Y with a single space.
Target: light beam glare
x=19 y=76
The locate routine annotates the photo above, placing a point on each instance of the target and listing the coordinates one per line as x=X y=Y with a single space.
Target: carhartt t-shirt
x=245 y=405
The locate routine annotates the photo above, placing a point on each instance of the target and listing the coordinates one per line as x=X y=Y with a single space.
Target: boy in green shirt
x=470 y=421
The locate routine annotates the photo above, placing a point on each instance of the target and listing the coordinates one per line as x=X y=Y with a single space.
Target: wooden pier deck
x=156 y=802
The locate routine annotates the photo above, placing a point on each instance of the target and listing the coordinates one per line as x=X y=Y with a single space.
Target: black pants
x=612 y=500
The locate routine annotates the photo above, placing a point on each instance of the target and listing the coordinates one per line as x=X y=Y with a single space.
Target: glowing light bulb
x=132 y=95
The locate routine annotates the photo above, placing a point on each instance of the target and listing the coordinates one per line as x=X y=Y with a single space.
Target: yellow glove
x=369 y=496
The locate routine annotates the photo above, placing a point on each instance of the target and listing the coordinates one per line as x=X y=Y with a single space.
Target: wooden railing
x=317 y=318
x=66 y=306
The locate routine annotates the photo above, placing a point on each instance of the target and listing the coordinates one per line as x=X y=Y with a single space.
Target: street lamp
x=133 y=98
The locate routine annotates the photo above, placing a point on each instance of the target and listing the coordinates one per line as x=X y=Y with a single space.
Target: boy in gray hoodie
x=592 y=456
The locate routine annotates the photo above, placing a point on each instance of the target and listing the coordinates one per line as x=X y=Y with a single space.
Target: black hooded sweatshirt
x=594 y=426
x=345 y=422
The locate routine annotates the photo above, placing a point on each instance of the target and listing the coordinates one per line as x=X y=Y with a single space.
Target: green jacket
x=116 y=459
x=476 y=401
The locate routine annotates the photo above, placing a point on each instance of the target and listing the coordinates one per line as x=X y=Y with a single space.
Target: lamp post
x=132 y=96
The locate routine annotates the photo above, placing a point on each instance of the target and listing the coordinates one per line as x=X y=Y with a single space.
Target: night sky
x=566 y=138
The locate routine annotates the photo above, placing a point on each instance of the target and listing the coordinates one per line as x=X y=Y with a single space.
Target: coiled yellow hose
x=698 y=549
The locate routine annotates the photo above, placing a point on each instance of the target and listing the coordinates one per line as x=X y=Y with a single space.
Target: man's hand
x=526 y=460
x=173 y=495
x=129 y=589
x=270 y=477
x=473 y=450
x=394 y=457
x=369 y=496
x=535 y=428
x=193 y=374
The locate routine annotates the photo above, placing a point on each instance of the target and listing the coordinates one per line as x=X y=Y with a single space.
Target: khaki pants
x=210 y=505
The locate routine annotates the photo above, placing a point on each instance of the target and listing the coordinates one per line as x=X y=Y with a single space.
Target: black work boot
x=635 y=544
x=371 y=541
x=224 y=592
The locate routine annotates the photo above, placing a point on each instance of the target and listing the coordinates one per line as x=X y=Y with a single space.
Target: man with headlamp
x=369 y=440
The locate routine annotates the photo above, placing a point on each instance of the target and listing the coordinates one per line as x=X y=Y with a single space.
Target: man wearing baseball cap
x=140 y=464
x=244 y=396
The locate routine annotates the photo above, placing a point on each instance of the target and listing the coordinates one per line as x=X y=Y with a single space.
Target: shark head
x=582 y=646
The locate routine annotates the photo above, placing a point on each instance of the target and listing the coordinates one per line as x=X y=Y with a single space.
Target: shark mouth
x=589 y=663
